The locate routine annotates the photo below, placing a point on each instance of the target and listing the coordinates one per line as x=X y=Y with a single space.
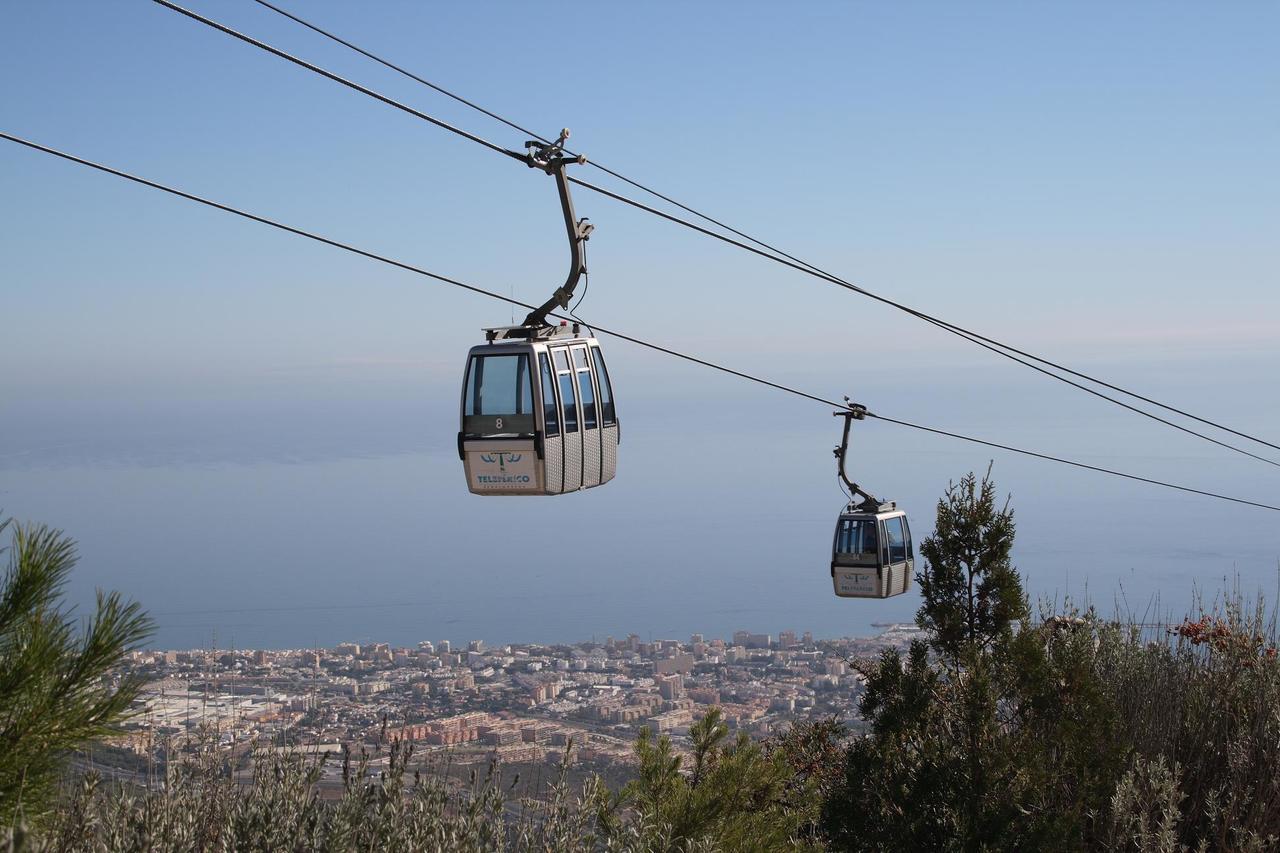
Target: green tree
x=57 y=691
x=734 y=795
x=936 y=771
x=972 y=599
x=992 y=734
x=813 y=750
x=972 y=594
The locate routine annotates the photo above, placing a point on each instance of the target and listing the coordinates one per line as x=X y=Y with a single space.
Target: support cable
x=972 y=337
x=364 y=90
x=620 y=335
x=991 y=344
x=409 y=74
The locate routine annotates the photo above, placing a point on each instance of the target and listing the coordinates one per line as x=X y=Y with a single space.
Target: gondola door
x=552 y=436
x=896 y=554
x=910 y=571
x=591 y=432
x=566 y=382
x=608 y=414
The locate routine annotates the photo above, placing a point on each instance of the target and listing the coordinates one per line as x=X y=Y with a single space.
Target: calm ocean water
x=292 y=523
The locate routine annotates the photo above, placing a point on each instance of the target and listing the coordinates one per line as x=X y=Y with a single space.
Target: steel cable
x=611 y=332
x=991 y=344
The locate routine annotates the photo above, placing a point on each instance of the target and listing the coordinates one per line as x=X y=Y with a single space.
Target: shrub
x=733 y=796
x=201 y=807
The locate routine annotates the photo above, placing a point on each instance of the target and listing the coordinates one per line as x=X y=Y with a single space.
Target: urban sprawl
x=506 y=704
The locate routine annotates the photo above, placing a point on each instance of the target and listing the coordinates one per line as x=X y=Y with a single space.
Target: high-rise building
x=682 y=662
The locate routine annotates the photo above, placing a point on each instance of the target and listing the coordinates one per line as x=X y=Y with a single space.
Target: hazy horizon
x=231 y=419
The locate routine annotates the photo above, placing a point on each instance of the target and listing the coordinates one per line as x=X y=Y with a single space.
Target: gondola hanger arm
x=853 y=412
x=550 y=158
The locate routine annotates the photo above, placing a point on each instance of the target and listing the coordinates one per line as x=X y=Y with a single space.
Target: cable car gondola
x=871 y=554
x=537 y=414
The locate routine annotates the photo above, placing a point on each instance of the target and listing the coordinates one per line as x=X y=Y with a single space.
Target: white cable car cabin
x=537 y=414
x=871 y=556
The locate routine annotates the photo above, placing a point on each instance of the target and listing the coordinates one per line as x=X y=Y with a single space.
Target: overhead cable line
x=613 y=333
x=991 y=344
x=364 y=90
x=973 y=337
x=414 y=77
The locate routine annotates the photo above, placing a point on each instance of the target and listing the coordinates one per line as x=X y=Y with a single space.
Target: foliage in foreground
x=56 y=690
x=733 y=798
x=737 y=793
x=203 y=808
x=1070 y=733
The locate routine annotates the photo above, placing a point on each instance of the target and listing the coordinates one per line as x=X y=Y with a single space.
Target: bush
x=1206 y=709
x=201 y=807
x=734 y=796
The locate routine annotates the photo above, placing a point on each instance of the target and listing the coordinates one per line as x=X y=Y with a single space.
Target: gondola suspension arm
x=854 y=412
x=550 y=158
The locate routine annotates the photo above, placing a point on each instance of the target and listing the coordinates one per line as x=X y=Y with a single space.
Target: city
x=510 y=704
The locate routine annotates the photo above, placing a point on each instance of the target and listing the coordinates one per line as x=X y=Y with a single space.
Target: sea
x=291 y=519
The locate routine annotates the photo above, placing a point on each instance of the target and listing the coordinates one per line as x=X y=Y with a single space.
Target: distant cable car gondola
x=538 y=414
x=871 y=554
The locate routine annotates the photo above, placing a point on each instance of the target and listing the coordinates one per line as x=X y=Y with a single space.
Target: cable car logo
x=503 y=457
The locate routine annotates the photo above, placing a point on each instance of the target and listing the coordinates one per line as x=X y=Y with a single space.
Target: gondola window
x=549 y=414
x=499 y=396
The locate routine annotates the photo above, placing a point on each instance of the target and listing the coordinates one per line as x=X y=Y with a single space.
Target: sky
x=230 y=419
